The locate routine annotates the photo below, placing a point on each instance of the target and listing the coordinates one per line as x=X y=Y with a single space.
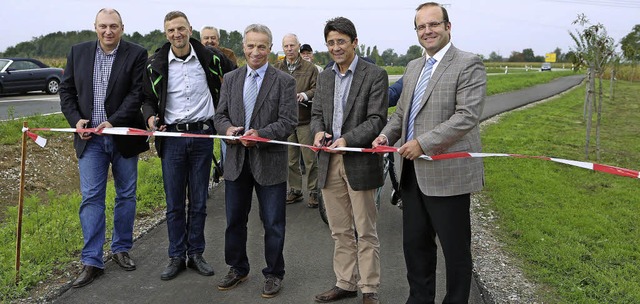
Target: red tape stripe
x=379 y=149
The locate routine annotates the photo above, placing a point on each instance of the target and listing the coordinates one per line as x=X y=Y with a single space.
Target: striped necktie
x=250 y=95
x=417 y=96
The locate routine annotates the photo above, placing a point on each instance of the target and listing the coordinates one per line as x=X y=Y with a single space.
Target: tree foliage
x=630 y=44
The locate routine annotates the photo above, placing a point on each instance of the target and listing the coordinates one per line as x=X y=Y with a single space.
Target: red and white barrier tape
x=380 y=149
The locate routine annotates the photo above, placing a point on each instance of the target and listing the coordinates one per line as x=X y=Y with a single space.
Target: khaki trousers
x=355 y=263
x=302 y=134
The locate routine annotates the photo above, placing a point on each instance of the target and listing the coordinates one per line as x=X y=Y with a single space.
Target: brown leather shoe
x=272 y=286
x=88 y=274
x=231 y=280
x=123 y=260
x=313 y=200
x=334 y=294
x=294 y=196
x=370 y=298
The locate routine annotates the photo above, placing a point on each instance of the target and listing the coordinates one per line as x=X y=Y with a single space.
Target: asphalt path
x=308 y=250
x=15 y=106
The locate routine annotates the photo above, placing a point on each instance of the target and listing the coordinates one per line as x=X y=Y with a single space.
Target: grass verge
x=576 y=231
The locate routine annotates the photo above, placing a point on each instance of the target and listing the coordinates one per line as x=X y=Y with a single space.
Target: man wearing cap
x=307 y=54
x=305 y=74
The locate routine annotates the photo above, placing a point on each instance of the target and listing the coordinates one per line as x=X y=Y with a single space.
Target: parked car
x=21 y=75
x=546 y=66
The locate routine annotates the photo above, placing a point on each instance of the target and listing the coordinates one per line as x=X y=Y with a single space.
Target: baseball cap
x=306 y=47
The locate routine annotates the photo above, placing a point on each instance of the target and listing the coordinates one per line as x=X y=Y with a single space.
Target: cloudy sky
x=481 y=27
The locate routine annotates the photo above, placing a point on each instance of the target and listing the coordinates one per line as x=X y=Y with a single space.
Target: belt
x=189 y=126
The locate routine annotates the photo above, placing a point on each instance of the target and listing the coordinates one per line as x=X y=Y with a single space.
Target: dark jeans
x=186 y=163
x=272 y=208
x=423 y=218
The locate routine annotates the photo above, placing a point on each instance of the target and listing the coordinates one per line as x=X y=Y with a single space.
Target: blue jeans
x=93 y=165
x=186 y=164
x=272 y=210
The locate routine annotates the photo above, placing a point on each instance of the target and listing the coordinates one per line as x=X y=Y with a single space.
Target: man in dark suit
x=102 y=88
x=349 y=110
x=438 y=112
x=258 y=100
x=181 y=89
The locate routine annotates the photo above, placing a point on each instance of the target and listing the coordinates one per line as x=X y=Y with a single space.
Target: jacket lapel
x=356 y=84
x=118 y=63
x=442 y=66
x=265 y=87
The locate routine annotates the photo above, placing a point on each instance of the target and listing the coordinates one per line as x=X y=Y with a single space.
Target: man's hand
x=340 y=142
x=233 y=131
x=81 y=124
x=379 y=141
x=249 y=143
x=152 y=124
x=300 y=97
x=104 y=124
x=411 y=150
x=321 y=139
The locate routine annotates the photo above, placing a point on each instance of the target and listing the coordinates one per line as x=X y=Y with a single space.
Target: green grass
x=576 y=231
x=502 y=83
x=51 y=235
x=394 y=70
x=10 y=133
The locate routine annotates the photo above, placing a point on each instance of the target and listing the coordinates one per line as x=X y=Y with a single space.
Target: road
x=308 y=251
x=16 y=106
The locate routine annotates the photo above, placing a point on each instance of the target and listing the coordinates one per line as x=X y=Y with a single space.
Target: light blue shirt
x=340 y=96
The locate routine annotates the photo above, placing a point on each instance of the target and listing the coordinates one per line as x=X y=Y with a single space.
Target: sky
x=481 y=27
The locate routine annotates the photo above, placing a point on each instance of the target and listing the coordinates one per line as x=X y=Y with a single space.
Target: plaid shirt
x=101 y=73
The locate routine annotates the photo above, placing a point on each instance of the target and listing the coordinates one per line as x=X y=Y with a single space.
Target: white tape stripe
x=138 y=132
x=574 y=163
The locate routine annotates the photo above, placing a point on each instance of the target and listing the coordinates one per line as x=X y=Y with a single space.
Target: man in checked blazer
x=349 y=110
x=436 y=194
x=272 y=114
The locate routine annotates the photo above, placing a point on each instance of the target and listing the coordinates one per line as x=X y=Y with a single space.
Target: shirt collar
x=440 y=54
x=352 y=66
x=261 y=70
x=113 y=52
x=192 y=54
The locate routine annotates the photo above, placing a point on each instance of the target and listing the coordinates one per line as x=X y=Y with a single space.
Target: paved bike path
x=308 y=250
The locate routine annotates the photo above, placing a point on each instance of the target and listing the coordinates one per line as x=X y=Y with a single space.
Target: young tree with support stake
x=594 y=48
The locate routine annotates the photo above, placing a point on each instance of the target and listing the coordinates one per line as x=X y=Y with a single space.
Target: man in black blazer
x=101 y=88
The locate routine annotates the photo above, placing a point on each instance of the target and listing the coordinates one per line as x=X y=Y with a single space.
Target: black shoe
x=197 y=262
x=272 y=286
x=176 y=265
x=231 y=280
x=124 y=260
x=88 y=274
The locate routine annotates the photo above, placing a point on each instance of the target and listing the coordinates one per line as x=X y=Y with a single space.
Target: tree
x=516 y=57
x=558 y=52
x=495 y=57
x=389 y=57
x=528 y=55
x=630 y=44
x=594 y=48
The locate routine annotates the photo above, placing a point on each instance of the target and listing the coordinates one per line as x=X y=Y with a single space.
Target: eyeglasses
x=339 y=42
x=430 y=25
